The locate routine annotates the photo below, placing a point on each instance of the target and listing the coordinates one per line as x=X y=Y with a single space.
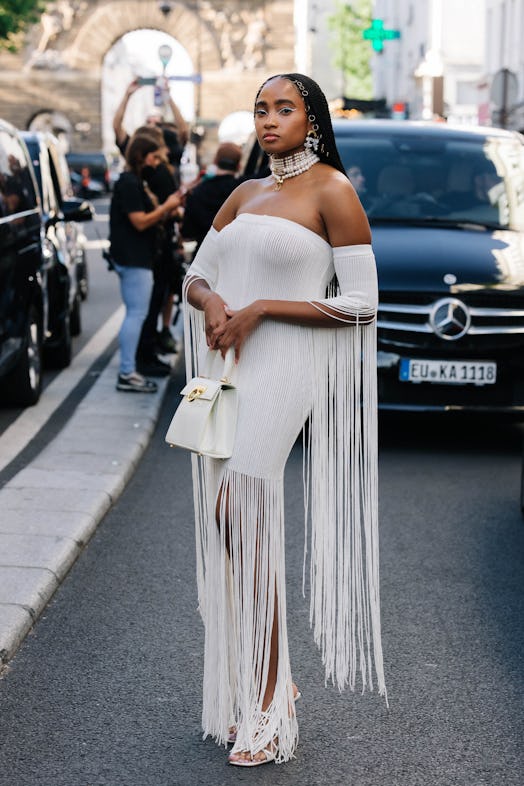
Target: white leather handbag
x=205 y=419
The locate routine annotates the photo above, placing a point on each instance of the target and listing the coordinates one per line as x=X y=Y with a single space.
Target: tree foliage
x=352 y=53
x=15 y=15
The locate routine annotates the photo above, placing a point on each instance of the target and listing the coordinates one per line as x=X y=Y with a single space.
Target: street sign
x=503 y=93
x=504 y=88
x=377 y=34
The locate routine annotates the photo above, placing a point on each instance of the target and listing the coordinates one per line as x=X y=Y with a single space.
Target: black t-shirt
x=160 y=181
x=129 y=247
x=175 y=151
x=122 y=146
x=202 y=204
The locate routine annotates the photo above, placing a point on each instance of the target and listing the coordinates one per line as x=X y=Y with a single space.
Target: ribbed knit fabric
x=288 y=374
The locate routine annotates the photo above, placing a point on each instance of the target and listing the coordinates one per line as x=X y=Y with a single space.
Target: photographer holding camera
x=162 y=181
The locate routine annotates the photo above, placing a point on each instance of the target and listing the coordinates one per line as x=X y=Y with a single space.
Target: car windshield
x=429 y=178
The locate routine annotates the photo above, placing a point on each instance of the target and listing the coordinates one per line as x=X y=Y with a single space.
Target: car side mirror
x=78 y=210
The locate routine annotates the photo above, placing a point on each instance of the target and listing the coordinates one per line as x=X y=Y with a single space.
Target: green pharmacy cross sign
x=377 y=35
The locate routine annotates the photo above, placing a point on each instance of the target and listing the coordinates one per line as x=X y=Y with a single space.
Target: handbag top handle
x=229 y=362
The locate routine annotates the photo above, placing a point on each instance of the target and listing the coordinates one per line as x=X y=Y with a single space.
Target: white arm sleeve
x=357 y=277
x=205 y=264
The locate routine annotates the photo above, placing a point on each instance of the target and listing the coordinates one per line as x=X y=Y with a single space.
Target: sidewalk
x=50 y=509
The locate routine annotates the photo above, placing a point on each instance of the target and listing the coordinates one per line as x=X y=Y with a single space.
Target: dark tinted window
x=16 y=185
x=478 y=180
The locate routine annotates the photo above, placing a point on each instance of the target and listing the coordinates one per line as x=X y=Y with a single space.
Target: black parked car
x=59 y=212
x=23 y=274
x=446 y=208
x=75 y=209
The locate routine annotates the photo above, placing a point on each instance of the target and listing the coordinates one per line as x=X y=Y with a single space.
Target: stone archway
x=235 y=44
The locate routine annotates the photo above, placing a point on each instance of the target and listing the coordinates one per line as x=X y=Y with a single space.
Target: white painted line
x=93 y=244
x=30 y=421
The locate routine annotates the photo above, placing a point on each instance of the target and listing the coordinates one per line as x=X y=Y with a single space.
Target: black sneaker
x=135 y=383
x=165 y=341
x=153 y=368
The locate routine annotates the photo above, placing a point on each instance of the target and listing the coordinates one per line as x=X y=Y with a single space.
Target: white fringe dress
x=287 y=375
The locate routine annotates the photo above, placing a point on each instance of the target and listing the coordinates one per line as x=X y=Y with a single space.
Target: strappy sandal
x=270 y=754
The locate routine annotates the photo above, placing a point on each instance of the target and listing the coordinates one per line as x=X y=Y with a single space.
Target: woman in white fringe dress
x=286 y=277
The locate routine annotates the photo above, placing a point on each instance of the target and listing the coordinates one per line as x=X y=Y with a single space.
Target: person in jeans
x=134 y=217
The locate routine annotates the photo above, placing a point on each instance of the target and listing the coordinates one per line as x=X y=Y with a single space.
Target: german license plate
x=448 y=372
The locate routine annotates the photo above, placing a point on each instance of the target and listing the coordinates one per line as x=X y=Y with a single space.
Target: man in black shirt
x=204 y=199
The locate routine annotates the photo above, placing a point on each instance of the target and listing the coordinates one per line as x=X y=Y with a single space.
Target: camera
x=147 y=80
x=109 y=259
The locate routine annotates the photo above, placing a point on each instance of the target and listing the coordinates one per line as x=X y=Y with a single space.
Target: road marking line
x=94 y=244
x=30 y=421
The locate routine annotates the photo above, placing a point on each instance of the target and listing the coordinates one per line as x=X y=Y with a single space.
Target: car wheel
x=75 y=320
x=59 y=353
x=23 y=385
x=83 y=277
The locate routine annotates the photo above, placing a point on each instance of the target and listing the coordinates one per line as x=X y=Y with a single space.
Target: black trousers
x=167 y=279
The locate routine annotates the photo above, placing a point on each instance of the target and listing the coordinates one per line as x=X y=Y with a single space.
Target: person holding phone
x=121 y=134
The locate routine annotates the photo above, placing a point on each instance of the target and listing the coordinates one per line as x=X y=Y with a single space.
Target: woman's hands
x=237 y=326
x=214 y=309
x=225 y=327
x=142 y=220
x=174 y=200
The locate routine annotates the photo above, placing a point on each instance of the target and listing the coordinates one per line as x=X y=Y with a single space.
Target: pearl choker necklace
x=290 y=166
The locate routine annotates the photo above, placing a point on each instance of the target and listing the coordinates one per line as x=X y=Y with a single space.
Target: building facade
x=314 y=45
x=436 y=66
x=504 y=103
x=57 y=72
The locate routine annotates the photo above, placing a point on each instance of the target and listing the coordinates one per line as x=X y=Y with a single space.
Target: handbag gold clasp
x=195 y=393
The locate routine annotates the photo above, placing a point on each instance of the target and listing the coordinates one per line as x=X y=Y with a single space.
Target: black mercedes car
x=446 y=208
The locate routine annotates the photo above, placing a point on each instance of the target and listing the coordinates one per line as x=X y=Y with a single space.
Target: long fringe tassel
x=341 y=456
x=245 y=597
x=194 y=339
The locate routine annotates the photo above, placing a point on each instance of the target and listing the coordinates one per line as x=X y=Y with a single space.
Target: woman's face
x=154 y=158
x=281 y=122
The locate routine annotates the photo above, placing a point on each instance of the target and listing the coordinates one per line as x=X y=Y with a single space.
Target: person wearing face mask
x=134 y=216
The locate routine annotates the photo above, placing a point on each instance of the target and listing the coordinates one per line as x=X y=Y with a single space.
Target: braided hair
x=317 y=111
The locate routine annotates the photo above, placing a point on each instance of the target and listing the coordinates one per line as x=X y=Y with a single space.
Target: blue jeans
x=136 y=284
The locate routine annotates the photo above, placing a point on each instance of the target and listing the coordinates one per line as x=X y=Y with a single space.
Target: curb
x=52 y=507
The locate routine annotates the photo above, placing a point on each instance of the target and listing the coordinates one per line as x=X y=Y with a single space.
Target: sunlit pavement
x=51 y=508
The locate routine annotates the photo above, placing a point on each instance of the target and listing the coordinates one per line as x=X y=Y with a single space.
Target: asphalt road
x=106 y=691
